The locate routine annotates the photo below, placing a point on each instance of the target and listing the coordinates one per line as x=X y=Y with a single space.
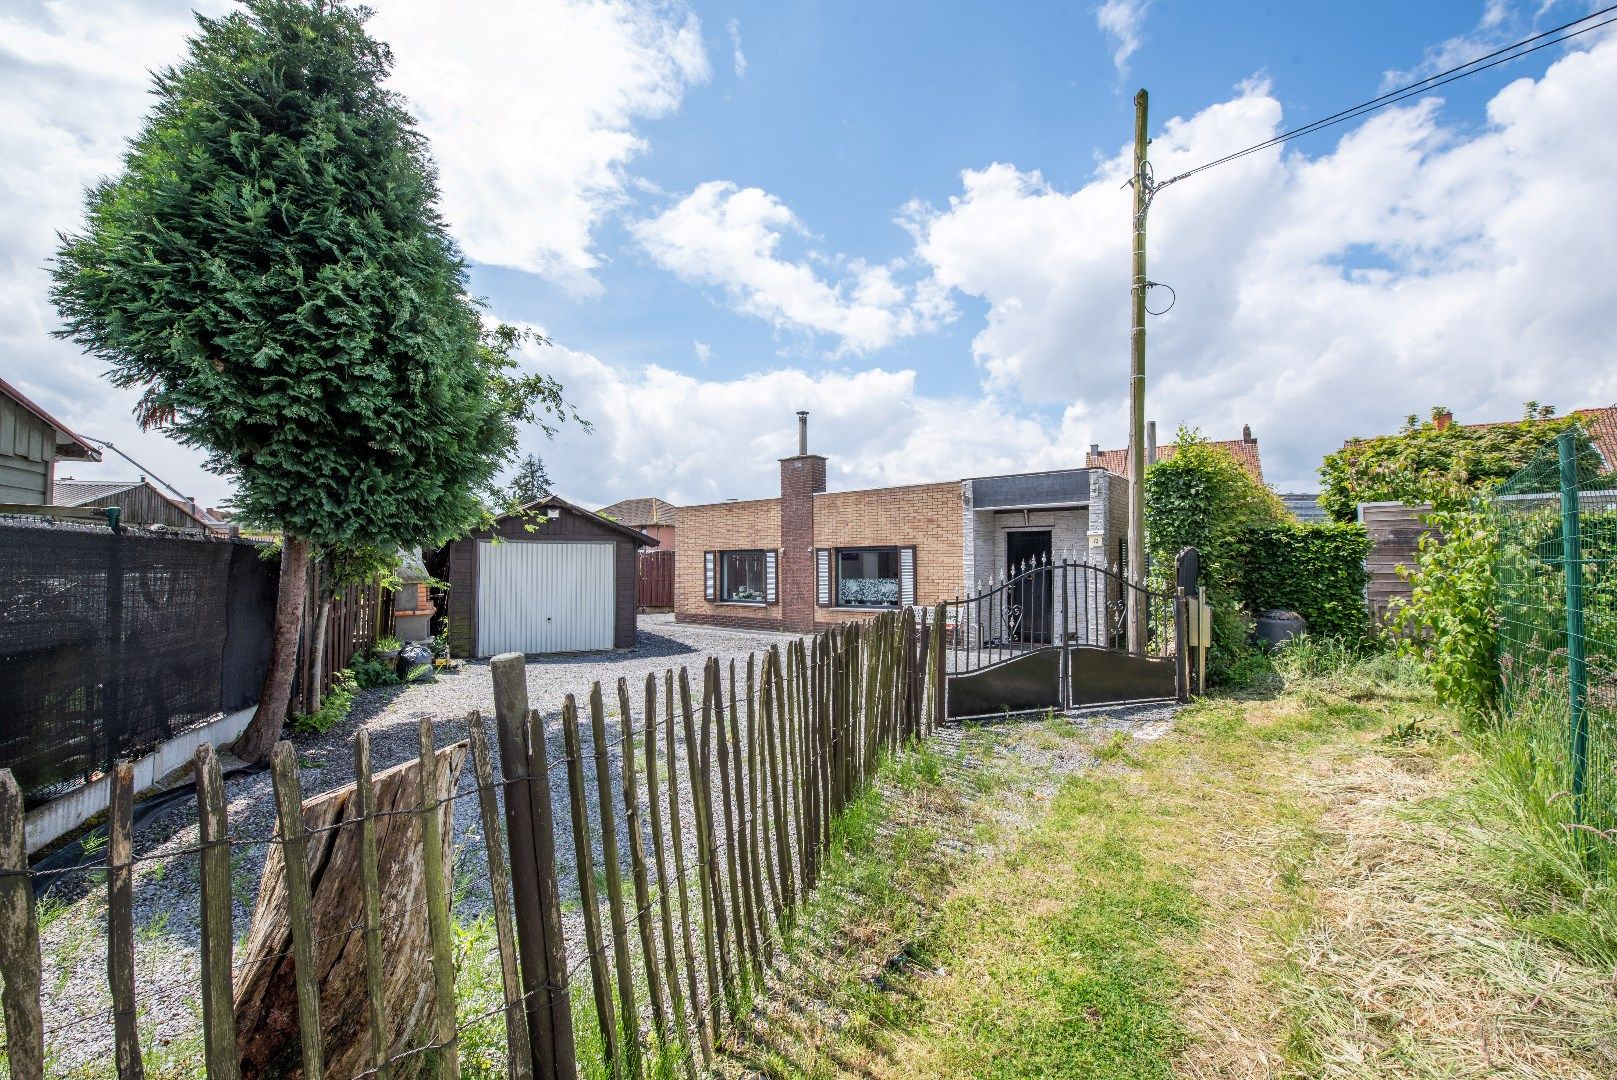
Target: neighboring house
x=31 y=443
x=1601 y=424
x=139 y=503
x=652 y=516
x=551 y=577
x=1303 y=505
x=1245 y=450
x=1396 y=529
x=813 y=557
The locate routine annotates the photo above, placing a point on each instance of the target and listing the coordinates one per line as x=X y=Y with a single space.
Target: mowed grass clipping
x=1054 y=962
x=1277 y=888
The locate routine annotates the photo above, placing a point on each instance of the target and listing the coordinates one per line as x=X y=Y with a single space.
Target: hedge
x=1315 y=569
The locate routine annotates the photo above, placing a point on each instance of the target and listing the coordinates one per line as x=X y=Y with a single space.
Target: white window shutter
x=822 y=566
x=769 y=577
x=906 y=576
x=710 y=584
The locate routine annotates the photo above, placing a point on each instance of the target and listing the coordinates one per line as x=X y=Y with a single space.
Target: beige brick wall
x=726 y=526
x=925 y=516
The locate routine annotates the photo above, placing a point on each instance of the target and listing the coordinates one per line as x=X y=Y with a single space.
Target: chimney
x=1094 y=450
x=801 y=478
x=1442 y=418
x=1246 y=433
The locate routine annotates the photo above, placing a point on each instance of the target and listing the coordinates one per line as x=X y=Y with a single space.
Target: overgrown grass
x=1332 y=880
x=1557 y=876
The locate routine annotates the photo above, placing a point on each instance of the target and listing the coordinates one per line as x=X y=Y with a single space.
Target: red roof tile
x=1244 y=450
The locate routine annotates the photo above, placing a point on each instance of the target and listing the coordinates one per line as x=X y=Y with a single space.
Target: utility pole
x=1136 y=540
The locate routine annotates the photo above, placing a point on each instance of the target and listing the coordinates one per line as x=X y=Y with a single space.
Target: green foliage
x=529 y=483
x=370 y=671
x=1444 y=467
x=1315 y=569
x=333 y=708
x=1202 y=497
x=1450 y=621
x=271 y=272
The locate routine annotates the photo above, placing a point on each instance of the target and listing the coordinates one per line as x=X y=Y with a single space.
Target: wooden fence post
x=20 y=964
x=679 y=865
x=371 y=898
x=630 y=1014
x=121 y=921
x=294 y=843
x=734 y=826
x=665 y=902
x=713 y=929
x=524 y=770
x=518 y=1050
x=600 y=977
x=218 y=938
x=637 y=855
x=439 y=933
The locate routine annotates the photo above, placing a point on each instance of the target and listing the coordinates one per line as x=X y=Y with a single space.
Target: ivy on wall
x=1445 y=466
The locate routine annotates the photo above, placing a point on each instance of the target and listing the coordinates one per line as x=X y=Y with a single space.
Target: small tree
x=270 y=270
x=529 y=483
x=1202 y=497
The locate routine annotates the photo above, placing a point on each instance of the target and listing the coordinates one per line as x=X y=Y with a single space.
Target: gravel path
x=78 y=1022
x=166 y=900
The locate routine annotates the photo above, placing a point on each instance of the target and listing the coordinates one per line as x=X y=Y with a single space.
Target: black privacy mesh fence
x=110 y=643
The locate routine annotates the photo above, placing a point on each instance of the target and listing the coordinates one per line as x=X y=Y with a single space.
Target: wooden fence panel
x=655 y=576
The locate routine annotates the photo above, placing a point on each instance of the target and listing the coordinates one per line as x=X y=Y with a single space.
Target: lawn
x=1317 y=883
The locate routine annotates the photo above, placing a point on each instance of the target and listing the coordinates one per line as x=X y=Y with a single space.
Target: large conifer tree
x=271 y=271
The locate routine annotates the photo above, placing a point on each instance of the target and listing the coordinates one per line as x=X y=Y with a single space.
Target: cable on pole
x=1515 y=51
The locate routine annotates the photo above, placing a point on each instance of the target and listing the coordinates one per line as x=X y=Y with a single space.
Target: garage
x=549 y=578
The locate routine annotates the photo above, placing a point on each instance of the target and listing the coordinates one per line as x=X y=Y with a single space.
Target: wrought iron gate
x=1053 y=635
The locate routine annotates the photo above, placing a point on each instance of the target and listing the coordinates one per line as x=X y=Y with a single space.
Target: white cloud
x=704 y=351
x=1121 y=21
x=1416 y=262
x=691 y=439
x=731 y=237
x=739 y=57
x=73 y=87
x=532 y=107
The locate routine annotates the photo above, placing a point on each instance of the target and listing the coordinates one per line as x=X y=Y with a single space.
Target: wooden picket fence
x=768 y=754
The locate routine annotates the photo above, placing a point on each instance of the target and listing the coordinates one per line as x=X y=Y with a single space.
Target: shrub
x=1314 y=569
x=371 y=671
x=1202 y=497
x=1443 y=466
x=1451 y=618
x=333 y=709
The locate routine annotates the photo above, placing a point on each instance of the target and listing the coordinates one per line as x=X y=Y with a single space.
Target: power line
x=1516 y=51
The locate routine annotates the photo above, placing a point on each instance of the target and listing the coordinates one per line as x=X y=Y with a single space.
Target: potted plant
x=387 y=648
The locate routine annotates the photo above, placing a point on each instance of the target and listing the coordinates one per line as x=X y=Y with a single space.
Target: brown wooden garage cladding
x=570 y=524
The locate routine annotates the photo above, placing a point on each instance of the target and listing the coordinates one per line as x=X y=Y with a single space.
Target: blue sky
x=906 y=217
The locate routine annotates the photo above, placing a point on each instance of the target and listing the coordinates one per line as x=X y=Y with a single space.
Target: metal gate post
x=1181 y=661
x=1572 y=564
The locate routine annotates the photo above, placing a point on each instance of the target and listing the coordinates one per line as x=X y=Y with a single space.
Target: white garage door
x=544 y=597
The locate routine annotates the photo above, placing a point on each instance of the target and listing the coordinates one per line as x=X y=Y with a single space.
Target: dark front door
x=1028 y=554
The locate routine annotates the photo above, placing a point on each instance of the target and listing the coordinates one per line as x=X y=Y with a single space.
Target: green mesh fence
x=1557 y=576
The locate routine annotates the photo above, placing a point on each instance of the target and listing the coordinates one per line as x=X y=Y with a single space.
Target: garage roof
x=556 y=502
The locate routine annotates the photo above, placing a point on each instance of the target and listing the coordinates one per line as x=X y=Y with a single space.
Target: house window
x=867 y=577
x=743 y=577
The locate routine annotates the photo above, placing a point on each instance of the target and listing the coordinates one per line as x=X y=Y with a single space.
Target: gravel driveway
x=166 y=902
x=78 y=1022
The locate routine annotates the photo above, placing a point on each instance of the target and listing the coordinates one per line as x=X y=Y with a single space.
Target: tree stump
x=266 y=998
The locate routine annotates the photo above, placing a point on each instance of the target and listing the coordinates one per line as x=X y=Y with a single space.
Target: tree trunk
x=259 y=739
x=265 y=992
x=317 y=650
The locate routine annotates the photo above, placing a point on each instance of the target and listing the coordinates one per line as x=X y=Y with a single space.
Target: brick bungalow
x=812 y=557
